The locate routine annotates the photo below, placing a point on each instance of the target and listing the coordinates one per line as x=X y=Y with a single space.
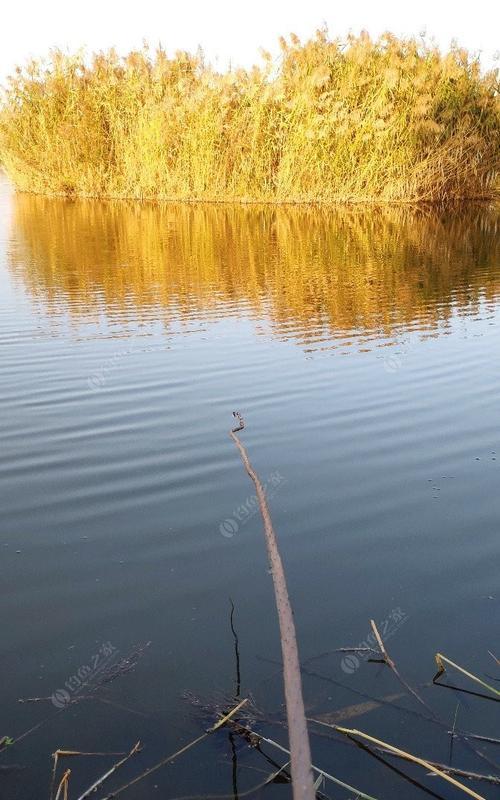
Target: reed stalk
x=391 y=120
x=441 y=660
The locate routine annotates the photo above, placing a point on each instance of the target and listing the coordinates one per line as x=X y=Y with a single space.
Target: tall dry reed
x=385 y=120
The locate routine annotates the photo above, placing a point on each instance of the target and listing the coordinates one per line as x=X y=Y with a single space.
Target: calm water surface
x=363 y=349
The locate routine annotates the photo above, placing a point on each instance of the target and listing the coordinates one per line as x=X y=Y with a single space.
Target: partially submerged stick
x=300 y=752
x=477 y=776
x=463 y=773
x=410 y=757
x=441 y=660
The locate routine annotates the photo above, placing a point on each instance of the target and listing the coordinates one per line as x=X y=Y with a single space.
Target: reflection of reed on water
x=342 y=269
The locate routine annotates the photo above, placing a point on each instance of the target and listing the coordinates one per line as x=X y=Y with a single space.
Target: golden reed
x=357 y=120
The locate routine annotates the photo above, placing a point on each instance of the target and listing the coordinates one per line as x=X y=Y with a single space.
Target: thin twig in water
x=377 y=701
x=256 y=739
x=497 y=660
x=63 y=786
x=109 y=772
x=129 y=662
x=389 y=702
x=476 y=736
x=178 y=753
x=236 y=651
x=442 y=660
x=302 y=779
x=452 y=735
x=55 y=756
x=237 y=686
x=410 y=757
x=391 y=664
x=69 y=754
x=444 y=767
x=435 y=717
x=463 y=773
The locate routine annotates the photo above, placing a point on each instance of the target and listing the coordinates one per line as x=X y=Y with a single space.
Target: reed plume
x=357 y=120
x=360 y=120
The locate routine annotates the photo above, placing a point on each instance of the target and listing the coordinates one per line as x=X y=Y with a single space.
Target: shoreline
x=358 y=203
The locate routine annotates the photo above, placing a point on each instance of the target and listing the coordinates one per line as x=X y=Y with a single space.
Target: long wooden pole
x=300 y=751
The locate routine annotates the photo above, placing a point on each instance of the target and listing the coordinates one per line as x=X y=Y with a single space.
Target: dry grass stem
x=442 y=660
x=391 y=664
x=257 y=739
x=410 y=757
x=99 y=782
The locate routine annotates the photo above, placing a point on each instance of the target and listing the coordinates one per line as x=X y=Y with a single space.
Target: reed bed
x=391 y=120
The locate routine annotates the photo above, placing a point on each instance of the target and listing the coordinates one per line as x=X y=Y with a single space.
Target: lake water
x=362 y=348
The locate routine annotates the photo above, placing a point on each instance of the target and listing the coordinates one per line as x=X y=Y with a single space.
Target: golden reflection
x=311 y=272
